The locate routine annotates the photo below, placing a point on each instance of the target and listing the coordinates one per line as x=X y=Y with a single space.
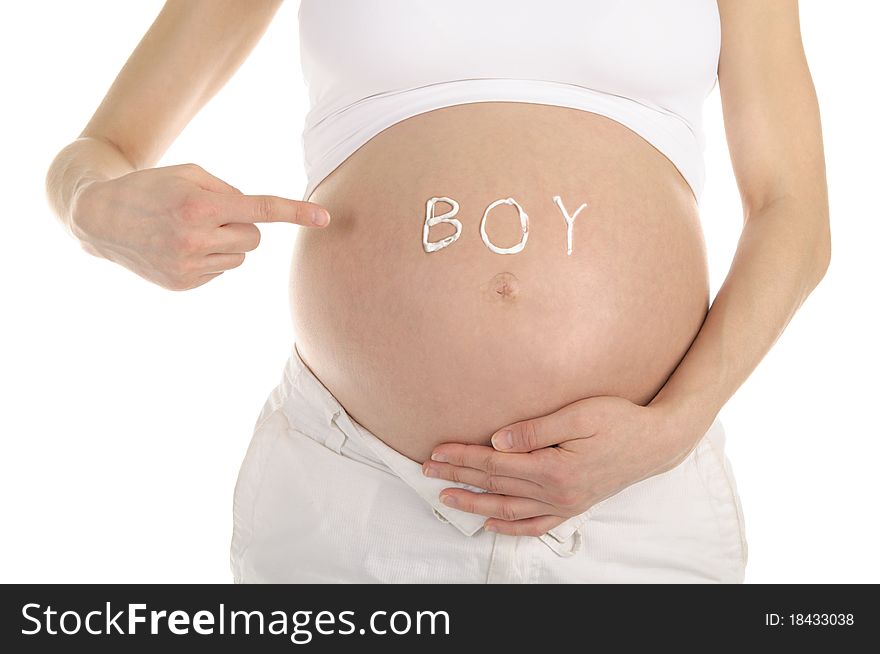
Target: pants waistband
x=312 y=409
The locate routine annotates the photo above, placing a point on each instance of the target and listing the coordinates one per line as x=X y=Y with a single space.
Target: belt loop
x=564 y=548
x=566 y=539
x=336 y=436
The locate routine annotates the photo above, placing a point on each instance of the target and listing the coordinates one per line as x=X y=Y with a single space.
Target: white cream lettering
x=431 y=220
x=524 y=227
x=569 y=220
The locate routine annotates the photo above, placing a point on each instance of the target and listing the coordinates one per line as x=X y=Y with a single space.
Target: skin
x=179 y=227
x=176 y=226
x=556 y=466
x=424 y=349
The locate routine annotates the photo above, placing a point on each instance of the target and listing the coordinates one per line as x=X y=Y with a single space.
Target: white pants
x=321 y=499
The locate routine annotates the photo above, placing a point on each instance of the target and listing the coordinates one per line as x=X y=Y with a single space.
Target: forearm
x=781 y=256
x=190 y=51
x=83 y=161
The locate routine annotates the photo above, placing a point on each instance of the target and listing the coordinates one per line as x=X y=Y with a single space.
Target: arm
x=771 y=117
x=187 y=55
x=604 y=444
x=176 y=226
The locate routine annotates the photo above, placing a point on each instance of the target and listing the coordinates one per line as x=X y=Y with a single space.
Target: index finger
x=523 y=465
x=269 y=209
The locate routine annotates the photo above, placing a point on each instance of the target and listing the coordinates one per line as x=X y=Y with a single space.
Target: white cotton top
x=368 y=64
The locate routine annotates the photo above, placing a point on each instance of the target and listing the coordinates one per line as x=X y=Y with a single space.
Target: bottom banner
x=48 y=618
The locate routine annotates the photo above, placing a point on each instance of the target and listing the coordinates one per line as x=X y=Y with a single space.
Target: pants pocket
x=248 y=484
x=717 y=475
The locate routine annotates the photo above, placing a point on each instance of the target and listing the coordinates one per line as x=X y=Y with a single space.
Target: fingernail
x=449 y=500
x=439 y=457
x=428 y=470
x=503 y=440
x=320 y=217
x=490 y=528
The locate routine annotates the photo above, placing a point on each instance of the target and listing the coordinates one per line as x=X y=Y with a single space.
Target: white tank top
x=368 y=64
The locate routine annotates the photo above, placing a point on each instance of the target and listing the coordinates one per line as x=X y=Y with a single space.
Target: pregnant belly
x=425 y=347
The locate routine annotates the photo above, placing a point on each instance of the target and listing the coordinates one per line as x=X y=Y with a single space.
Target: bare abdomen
x=423 y=348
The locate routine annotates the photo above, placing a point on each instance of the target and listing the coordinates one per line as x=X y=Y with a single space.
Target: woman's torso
x=429 y=347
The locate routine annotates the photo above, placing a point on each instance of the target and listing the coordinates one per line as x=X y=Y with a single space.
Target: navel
x=504 y=285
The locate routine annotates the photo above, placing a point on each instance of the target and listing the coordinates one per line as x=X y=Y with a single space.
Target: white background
x=126 y=409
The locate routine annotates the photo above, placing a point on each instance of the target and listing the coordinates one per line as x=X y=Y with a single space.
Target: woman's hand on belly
x=542 y=471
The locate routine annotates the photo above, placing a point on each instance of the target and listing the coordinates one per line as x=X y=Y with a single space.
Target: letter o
x=394 y=617
x=524 y=227
x=76 y=621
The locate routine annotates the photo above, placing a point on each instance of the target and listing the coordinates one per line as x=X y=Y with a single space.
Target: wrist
x=687 y=411
x=681 y=426
x=83 y=205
